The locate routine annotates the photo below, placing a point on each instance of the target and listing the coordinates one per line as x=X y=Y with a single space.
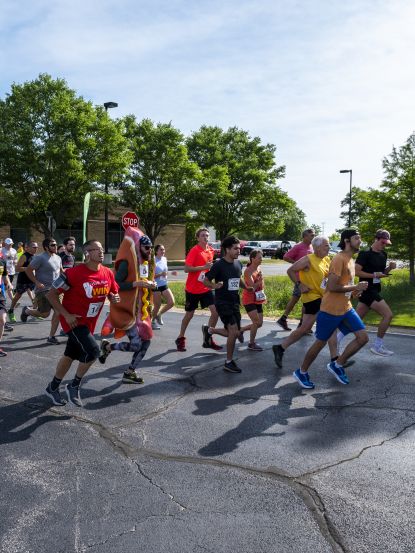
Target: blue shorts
x=327 y=324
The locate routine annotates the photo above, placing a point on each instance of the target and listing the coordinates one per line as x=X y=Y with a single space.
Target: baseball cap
x=383 y=234
x=346 y=235
x=8 y=241
x=145 y=240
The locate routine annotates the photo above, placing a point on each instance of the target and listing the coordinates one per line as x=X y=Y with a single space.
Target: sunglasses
x=52 y=245
x=147 y=247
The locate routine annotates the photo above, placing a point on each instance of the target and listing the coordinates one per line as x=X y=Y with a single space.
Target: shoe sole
x=50 y=396
x=379 y=353
x=302 y=383
x=277 y=358
x=336 y=376
x=228 y=370
x=127 y=381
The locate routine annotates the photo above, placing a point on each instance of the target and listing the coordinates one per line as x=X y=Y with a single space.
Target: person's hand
x=392 y=265
x=256 y=286
x=218 y=285
x=174 y=273
x=362 y=286
x=39 y=285
x=114 y=298
x=72 y=319
x=303 y=288
x=208 y=265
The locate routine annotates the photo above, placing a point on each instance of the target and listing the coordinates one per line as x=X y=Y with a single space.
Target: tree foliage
x=360 y=199
x=239 y=191
x=54 y=147
x=162 y=181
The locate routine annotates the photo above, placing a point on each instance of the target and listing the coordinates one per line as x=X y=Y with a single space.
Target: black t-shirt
x=68 y=260
x=22 y=278
x=230 y=275
x=372 y=262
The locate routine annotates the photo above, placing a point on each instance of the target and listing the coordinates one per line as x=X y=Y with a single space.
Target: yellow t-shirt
x=338 y=303
x=315 y=277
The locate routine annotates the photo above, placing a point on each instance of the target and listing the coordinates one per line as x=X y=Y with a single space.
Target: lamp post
x=350 y=194
x=107 y=106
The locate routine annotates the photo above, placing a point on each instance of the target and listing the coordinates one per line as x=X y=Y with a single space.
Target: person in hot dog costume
x=134 y=273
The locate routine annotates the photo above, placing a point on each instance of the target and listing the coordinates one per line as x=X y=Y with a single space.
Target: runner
x=23 y=283
x=43 y=270
x=371 y=268
x=226 y=273
x=4 y=282
x=84 y=290
x=68 y=259
x=198 y=261
x=294 y=254
x=10 y=256
x=254 y=300
x=310 y=274
x=135 y=270
x=162 y=290
x=337 y=312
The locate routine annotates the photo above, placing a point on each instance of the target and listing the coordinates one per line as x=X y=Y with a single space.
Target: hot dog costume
x=132 y=315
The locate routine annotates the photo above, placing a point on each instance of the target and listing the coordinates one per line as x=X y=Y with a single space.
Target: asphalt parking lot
x=197 y=459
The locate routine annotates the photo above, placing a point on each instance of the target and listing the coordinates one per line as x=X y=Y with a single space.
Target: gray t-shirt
x=47 y=269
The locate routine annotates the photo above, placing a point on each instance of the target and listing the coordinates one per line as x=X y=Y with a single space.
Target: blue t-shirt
x=161 y=266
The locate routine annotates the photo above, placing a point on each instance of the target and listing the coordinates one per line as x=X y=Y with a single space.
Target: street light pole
x=350 y=194
x=107 y=106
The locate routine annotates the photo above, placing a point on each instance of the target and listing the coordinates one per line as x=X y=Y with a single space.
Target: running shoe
x=207 y=338
x=303 y=379
x=104 y=351
x=2 y=353
x=12 y=317
x=52 y=340
x=180 y=343
x=231 y=367
x=8 y=327
x=337 y=372
x=278 y=355
x=24 y=315
x=132 y=378
x=214 y=345
x=155 y=325
x=382 y=351
x=253 y=346
x=55 y=396
x=73 y=395
x=160 y=320
x=282 y=321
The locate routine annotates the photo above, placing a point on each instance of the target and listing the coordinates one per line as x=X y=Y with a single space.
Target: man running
x=67 y=256
x=43 y=270
x=226 y=272
x=336 y=311
x=294 y=254
x=10 y=256
x=23 y=283
x=198 y=261
x=371 y=267
x=4 y=283
x=84 y=289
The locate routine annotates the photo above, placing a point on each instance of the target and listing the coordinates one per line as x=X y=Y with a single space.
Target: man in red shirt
x=297 y=252
x=198 y=261
x=85 y=288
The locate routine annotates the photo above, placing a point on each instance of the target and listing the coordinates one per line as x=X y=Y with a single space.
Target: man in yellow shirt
x=336 y=311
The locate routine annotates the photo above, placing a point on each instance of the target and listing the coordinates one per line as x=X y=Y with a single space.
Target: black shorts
x=192 y=300
x=369 y=296
x=253 y=307
x=312 y=307
x=162 y=288
x=22 y=287
x=81 y=345
x=229 y=314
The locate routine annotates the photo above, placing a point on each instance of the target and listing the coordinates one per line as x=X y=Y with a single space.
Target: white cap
x=8 y=241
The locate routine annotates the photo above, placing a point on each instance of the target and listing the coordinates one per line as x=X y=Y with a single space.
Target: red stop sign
x=129 y=219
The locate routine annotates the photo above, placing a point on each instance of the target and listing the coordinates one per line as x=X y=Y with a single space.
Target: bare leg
x=54 y=323
x=220 y=331
x=213 y=319
x=188 y=316
x=157 y=304
x=64 y=364
x=385 y=312
x=2 y=323
x=233 y=333
x=361 y=339
x=290 y=305
x=168 y=296
x=257 y=320
x=311 y=354
x=299 y=332
x=15 y=299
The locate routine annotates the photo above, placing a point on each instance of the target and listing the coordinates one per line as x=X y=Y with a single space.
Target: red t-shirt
x=197 y=257
x=87 y=293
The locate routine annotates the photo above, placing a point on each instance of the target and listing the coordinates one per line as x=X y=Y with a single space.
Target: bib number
x=376 y=280
x=233 y=284
x=144 y=271
x=201 y=276
x=94 y=308
x=260 y=295
x=323 y=284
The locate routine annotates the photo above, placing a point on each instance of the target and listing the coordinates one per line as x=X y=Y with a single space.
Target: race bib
x=376 y=280
x=144 y=271
x=348 y=295
x=323 y=284
x=201 y=276
x=260 y=295
x=233 y=284
x=94 y=308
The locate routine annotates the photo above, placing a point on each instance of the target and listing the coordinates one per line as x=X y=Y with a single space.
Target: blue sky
x=330 y=83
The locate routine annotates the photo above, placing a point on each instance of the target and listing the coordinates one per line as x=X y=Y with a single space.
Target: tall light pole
x=350 y=194
x=107 y=106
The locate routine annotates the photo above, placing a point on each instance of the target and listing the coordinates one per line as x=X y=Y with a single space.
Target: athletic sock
x=76 y=381
x=334 y=358
x=54 y=385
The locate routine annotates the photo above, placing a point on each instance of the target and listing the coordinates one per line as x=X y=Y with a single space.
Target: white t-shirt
x=161 y=266
x=10 y=257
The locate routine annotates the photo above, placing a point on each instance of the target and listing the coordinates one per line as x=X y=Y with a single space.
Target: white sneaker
x=382 y=351
x=155 y=325
x=160 y=320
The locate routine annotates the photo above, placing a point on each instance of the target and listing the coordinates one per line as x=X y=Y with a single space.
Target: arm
x=121 y=277
x=53 y=298
x=334 y=286
x=30 y=271
x=19 y=266
x=302 y=264
x=205 y=267
x=212 y=285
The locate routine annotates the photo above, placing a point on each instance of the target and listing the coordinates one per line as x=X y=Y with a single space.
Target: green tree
x=239 y=191
x=162 y=181
x=359 y=204
x=317 y=229
x=54 y=147
x=294 y=223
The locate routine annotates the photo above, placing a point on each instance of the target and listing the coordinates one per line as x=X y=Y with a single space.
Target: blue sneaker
x=303 y=379
x=338 y=372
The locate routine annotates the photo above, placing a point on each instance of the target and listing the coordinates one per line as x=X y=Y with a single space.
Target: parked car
x=249 y=246
x=277 y=249
x=217 y=249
